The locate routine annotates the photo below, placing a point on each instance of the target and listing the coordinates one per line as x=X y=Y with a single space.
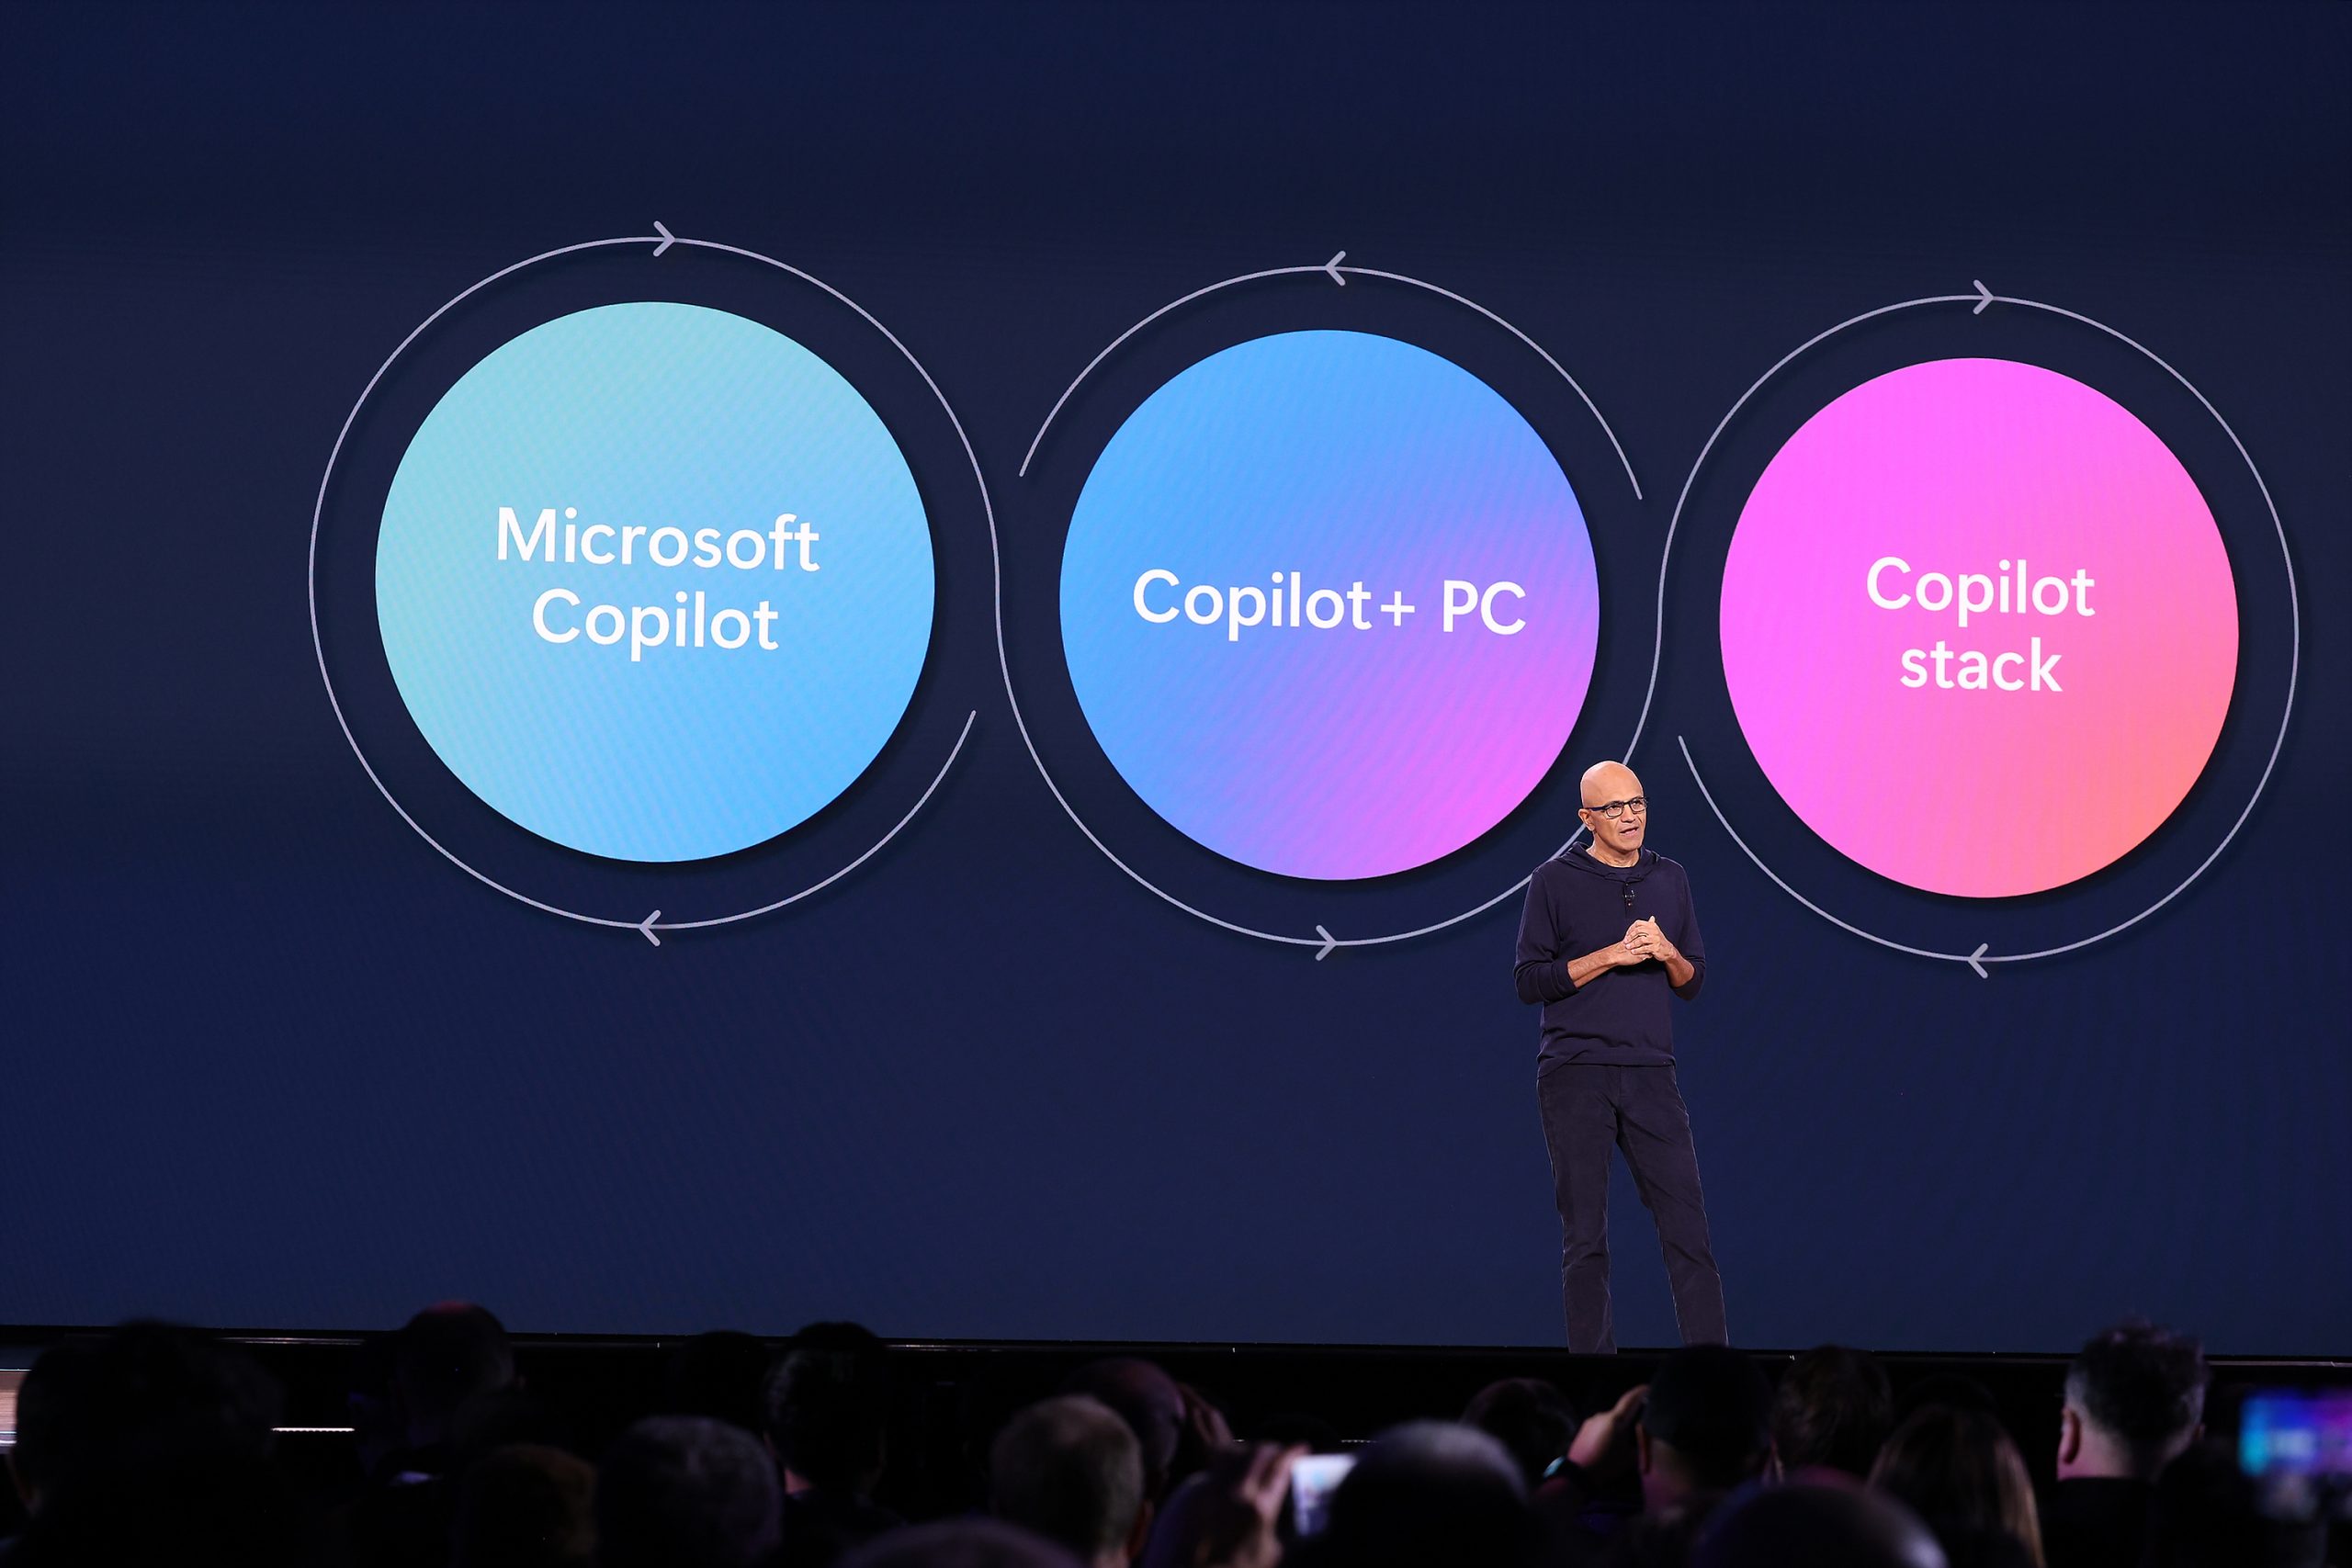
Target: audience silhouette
x=157 y=1444
x=1071 y=1471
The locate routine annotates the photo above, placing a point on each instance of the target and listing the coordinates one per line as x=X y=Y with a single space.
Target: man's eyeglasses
x=1639 y=806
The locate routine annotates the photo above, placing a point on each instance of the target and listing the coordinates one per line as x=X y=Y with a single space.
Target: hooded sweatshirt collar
x=1581 y=858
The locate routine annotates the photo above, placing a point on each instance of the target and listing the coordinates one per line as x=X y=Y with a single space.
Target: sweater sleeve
x=1543 y=972
x=1693 y=945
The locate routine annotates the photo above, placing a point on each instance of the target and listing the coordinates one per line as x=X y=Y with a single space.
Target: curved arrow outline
x=1978 y=301
x=1333 y=270
x=1323 y=942
x=660 y=239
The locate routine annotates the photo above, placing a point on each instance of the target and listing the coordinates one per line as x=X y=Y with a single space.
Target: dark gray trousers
x=1640 y=1111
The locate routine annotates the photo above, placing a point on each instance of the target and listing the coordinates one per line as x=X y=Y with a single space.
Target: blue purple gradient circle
x=1349 y=460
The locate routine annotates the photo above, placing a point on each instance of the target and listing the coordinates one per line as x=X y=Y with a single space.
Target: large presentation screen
x=702 y=665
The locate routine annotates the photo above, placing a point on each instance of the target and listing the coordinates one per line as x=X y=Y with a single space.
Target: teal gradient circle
x=655 y=415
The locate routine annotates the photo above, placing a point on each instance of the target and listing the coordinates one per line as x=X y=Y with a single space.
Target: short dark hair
x=525 y=1504
x=1714 y=1408
x=960 y=1543
x=1827 y=1523
x=1834 y=1407
x=686 y=1492
x=1150 y=1401
x=1431 y=1493
x=721 y=1374
x=828 y=1406
x=1530 y=1417
x=445 y=1356
x=1070 y=1470
x=2143 y=1385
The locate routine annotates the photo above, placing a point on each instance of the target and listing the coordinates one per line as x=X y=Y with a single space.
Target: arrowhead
x=1333 y=266
x=1330 y=941
x=1982 y=972
x=668 y=239
x=645 y=926
x=1983 y=295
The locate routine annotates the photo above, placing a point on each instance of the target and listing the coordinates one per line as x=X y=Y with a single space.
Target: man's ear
x=1139 y=1533
x=2070 y=1437
x=1642 y=1460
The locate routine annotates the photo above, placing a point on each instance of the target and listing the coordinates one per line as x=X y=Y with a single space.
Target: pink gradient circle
x=1955 y=467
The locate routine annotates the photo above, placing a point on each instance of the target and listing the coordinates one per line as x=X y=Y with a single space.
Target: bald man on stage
x=1607 y=943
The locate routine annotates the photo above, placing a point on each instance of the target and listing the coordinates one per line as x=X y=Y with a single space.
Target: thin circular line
x=652 y=922
x=1323 y=940
x=1333 y=269
x=1109 y=348
x=1980 y=299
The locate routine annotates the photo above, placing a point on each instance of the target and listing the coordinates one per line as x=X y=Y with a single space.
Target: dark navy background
x=267 y=1060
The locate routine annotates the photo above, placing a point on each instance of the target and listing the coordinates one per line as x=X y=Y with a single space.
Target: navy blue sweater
x=1576 y=905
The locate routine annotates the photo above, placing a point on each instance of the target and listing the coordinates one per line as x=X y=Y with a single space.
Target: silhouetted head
x=1958 y=1470
x=526 y=1506
x=1660 y=1540
x=1956 y=1389
x=1833 y=1409
x=59 y=1419
x=1705 y=1427
x=1532 y=1420
x=504 y=1419
x=961 y=1544
x=87 y=1402
x=152 y=1444
x=1070 y=1470
x=441 y=1358
x=1814 y=1524
x=178 y=1495
x=1151 y=1403
x=722 y=1375
x=686 y=1492
x=829 y=1409
x=2135 y=1398
x=1431 y=1494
